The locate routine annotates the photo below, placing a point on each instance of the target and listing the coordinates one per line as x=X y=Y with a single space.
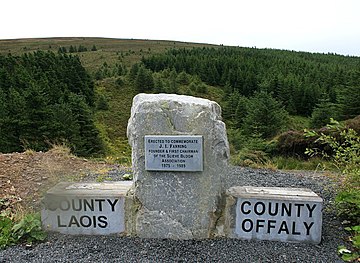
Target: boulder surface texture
x=177 y=204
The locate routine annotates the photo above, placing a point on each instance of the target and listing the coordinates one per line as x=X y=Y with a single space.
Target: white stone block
x=274 y=213
x=85 y=208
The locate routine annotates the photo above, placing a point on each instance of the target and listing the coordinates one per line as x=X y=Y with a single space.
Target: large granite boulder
x=177 y=204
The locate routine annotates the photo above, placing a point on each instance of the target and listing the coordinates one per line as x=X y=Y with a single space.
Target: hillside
x=97 y=54
x=107 y=50
x=303 y=89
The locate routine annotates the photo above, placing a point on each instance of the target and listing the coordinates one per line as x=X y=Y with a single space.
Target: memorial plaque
x=174 y=153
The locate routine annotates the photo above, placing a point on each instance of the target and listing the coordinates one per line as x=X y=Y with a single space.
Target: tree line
x=75 y=49
x=49 y=98
x=46 y=98
x=311 y=85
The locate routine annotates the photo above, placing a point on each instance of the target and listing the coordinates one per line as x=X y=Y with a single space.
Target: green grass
x=112 y=122
x=109 y=50
x=291 y=163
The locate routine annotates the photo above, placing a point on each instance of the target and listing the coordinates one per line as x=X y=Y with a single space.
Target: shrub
x=293 y=143
x=28 y=229
x=102 y=103
x=354 y=124
x=120 y=82
x=345 y=147
x=348 y=255
x=346 y=157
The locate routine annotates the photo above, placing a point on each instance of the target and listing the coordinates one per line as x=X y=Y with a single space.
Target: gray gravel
x=64 y=248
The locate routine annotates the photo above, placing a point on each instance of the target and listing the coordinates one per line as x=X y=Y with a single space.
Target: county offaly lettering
x=272 y=217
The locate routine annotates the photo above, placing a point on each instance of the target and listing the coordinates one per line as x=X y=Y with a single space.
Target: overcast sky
x=303 y=25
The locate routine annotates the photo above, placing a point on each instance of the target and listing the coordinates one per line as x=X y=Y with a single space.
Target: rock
x=177 y=204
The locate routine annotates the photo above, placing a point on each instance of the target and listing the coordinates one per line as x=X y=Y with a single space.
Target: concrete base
x=273 y=213
x=86 y=208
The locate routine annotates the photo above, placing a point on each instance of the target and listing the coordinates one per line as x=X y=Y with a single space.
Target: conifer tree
x=46 y=98
x=230 y=105
x=265 y=115
x=349 y=100
x=144 y=80
x=323 y=112
x=72 y=49
x=133 y=72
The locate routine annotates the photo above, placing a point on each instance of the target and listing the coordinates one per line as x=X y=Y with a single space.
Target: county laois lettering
x=83 y=206
x=83 y=221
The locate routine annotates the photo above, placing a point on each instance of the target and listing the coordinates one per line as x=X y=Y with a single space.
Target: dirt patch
x=24 y=177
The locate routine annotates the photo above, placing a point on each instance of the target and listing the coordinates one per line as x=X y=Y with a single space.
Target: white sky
x=303 y=25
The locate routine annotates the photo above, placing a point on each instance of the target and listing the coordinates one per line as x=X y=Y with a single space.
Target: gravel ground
x=64 y=248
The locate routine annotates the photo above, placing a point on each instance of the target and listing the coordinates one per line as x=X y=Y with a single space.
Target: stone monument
x=179 y=157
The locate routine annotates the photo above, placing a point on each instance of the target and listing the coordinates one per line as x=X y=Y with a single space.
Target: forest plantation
x=70 y=92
